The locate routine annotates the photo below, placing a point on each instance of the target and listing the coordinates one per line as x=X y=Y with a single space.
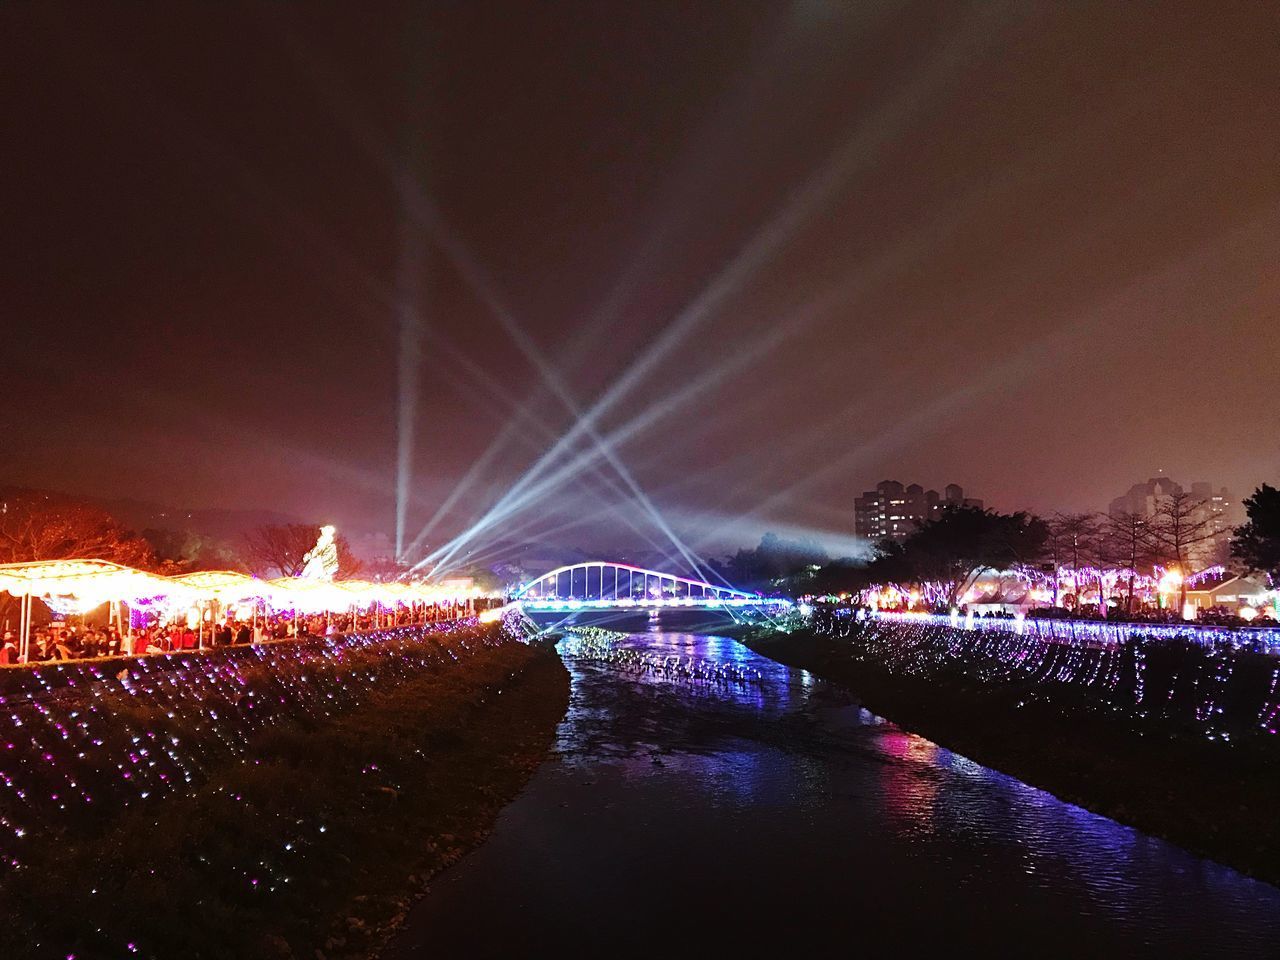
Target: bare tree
x=280 y=550
x=1056 y=552
x=37 y=526
x=1181 y=522
x=1080 y=535
x=1127 y=545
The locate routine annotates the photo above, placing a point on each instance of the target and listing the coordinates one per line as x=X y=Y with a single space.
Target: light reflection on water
x=787 y=799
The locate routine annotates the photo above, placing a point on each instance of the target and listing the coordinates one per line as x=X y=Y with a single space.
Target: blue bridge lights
x=600 y=585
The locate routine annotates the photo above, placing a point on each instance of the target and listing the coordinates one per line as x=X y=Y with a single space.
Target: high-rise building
x=1143 y=499
x=1224 y=511
x=892 y=511
x=1221 y=512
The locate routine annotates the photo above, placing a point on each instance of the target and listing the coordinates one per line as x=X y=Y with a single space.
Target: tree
x=1181 y=522
x=1257 y=542
x=1075 y=538
x=280 y=549
x=40 y=526
x=383 y=569
x=773 y=560
x=1056 y=552
x=964 y=541
x=181 y=551
x=1127 y=545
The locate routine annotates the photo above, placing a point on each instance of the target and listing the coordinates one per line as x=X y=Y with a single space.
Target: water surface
x=684 y=817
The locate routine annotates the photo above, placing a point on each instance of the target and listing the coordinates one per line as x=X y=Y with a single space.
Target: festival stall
x=75 y=587
x=201 y=598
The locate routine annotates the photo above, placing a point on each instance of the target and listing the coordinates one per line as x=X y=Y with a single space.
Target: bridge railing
x=617 y=584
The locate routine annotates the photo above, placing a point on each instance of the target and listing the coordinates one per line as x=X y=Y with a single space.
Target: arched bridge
x=602 y=585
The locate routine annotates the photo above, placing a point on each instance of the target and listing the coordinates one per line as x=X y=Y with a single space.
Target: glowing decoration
x=1102 y=632
x=225 y=586
x=1170 y=581
x=602 y=646
x=1101 y=588
x=1176 y=674
x=494 y=614
x=601 y=585
x=321 y=561
x=66 y=748
x=84 y=584
x=79 y=585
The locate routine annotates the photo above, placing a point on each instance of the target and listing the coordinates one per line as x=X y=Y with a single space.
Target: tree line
x=952 y=549
x=949 y=550
x=40 y=525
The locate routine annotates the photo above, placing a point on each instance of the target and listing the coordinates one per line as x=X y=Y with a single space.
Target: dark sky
x=1030 y=248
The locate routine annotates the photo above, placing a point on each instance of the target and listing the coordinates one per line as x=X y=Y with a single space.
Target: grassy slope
x=401 y=785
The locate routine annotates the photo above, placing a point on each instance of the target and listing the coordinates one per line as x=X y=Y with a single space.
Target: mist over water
x=689 y=815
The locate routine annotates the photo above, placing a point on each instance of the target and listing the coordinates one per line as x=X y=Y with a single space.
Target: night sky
x=1030 y=248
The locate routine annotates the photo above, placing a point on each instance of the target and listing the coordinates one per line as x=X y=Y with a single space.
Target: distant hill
x=214 y=523
x=191 y=538
x=140 y=515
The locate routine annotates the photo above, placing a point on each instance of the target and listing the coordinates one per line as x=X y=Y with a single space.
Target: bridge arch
x=601 y=583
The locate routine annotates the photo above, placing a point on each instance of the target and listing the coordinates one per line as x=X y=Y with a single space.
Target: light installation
x=80 y=741
x=603 y=646
x=78 y=586
x=1100 y=588
x=321 y=561
x=1219 y=682
x=600 y=584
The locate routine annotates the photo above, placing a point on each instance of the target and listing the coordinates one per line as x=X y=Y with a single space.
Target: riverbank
x=311 y=841
x=1212 y=798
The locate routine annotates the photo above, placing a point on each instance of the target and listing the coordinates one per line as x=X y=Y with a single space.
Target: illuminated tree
x=1056 y=554
x=40 y=526
x=1257 y=542
x=1180 y=524
x=965 y=541
x=280 y=550
x=1075 y=541
x=1126 y=544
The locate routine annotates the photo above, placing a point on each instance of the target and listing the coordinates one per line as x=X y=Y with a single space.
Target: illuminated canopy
x=80 y=585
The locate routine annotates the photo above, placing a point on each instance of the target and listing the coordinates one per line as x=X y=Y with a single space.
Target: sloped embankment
x=301 y=835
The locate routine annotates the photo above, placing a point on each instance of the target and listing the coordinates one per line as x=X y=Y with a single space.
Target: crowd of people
x=74 y=642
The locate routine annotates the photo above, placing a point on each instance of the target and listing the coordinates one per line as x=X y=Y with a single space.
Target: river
x=686 y=816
